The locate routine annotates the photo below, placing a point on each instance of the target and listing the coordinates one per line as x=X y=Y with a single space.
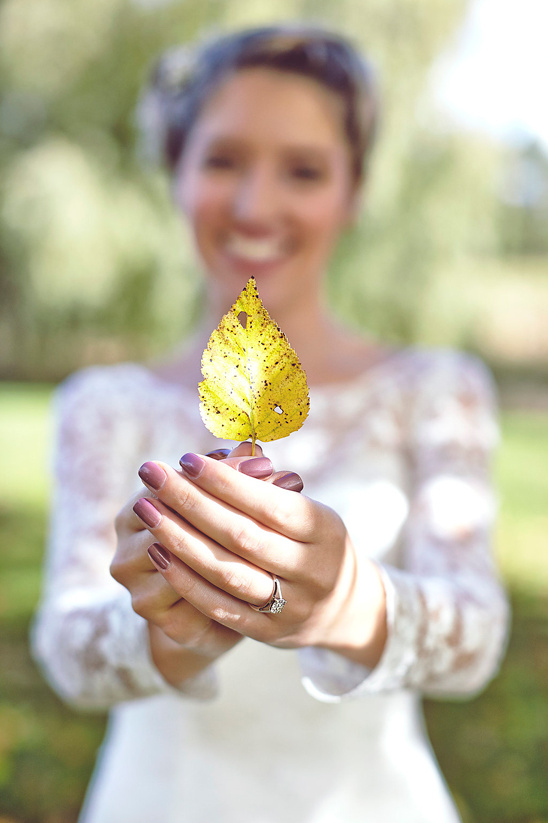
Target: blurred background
x=452 y=249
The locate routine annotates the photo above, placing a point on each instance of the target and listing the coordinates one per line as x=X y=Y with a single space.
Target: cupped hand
x=183 y=639
x=221 y=537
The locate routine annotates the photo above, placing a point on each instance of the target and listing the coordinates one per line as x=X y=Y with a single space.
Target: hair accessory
x=169 y=77
x=174 y=69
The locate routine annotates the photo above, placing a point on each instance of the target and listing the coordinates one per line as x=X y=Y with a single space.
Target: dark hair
x=183 y=79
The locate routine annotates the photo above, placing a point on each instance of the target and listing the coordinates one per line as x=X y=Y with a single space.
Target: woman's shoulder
x=128 y=390
x=437 y=371
x=102 y=386
x=413 y=375
x=449 y=396
x=104 y=376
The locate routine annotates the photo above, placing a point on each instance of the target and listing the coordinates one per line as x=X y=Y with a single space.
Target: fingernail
x=291 y=481
x=192 y=464
x=159 y=556
x=218 y=454
x=148 y=513
x=152 y=475
x=256 y=467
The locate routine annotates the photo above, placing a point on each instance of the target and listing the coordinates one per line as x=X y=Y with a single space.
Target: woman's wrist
x=176 y=663
x=359 y=631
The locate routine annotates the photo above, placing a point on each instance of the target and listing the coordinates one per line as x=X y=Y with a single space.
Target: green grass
x=493 y=750
x=46 y=750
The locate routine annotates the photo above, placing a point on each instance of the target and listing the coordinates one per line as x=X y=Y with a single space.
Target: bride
x=263 y=651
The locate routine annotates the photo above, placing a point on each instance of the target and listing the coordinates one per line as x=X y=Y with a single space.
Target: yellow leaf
x=254 y=385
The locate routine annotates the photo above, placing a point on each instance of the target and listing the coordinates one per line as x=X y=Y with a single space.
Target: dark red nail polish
x=218 y=454
x=152 y=475
x=256 y=467
x=159 y=556
x=192 y=464
x=148 y=513
x=290 y=481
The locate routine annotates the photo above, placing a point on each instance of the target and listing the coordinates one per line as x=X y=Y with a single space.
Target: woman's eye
x=306 y=173
x=219 y=161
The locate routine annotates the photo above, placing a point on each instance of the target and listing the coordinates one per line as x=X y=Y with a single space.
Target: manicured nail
x=159 y=556
x=218 y=454
x=291 y=481
x=152 y=475
x=148 y=513
x=256 y=467
x=192 y=464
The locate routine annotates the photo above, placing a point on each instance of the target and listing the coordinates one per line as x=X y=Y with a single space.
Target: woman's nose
x=255 y=198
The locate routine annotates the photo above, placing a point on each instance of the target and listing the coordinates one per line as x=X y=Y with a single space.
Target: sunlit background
x=451 y=249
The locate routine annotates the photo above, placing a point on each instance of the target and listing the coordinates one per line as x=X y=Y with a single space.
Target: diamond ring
x=276 y=602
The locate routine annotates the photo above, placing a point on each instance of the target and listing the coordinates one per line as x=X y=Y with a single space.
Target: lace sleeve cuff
x=469 y=636
x=95 y=653
x=331 y=678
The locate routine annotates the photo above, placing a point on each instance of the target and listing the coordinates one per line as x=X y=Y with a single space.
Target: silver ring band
x=275 y=603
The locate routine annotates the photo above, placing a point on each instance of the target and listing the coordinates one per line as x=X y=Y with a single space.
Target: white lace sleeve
x=447 y=611
x=91 y=644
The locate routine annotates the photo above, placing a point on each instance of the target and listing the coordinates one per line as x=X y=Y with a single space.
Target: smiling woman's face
x=266 y=185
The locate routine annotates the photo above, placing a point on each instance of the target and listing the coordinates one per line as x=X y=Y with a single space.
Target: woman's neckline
x=389 y=356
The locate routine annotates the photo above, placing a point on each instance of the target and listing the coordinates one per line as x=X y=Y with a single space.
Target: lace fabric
x=424 y=419
x=93 y=646
x=447 y=611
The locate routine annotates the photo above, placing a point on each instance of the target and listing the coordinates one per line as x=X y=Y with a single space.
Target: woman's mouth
x=255 y=249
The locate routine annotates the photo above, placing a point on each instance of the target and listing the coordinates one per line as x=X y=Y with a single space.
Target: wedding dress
x=402 y=454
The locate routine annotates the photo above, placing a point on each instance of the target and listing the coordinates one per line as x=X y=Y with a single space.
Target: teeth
x=254 y=249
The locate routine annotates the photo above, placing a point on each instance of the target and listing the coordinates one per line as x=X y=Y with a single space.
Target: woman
x=377 y=585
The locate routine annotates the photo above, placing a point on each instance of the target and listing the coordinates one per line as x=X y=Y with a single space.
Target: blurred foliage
x=493 y=749
x=94 y=262
x=523 y=213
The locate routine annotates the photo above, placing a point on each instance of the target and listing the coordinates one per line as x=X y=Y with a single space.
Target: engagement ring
x=276 y=602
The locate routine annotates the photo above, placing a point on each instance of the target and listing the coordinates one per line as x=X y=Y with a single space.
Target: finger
x=258 y=467
x=241 y=450
x=185 y=626
x=286 y=480
x=154 y=475
x=221 y=567
x=130 y=559
x=214 y=603
x=235 y=458
x=126 y=522
x=153 y=595
x=293 y=515
x=132 y=568
x=241 y=534
x=188 y=627
x=246 y=450
x=218 y=454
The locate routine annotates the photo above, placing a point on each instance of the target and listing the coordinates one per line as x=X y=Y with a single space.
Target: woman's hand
x=183 y=640
x=222 y=537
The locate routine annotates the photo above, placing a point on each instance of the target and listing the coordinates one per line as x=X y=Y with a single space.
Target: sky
x=494 y=78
